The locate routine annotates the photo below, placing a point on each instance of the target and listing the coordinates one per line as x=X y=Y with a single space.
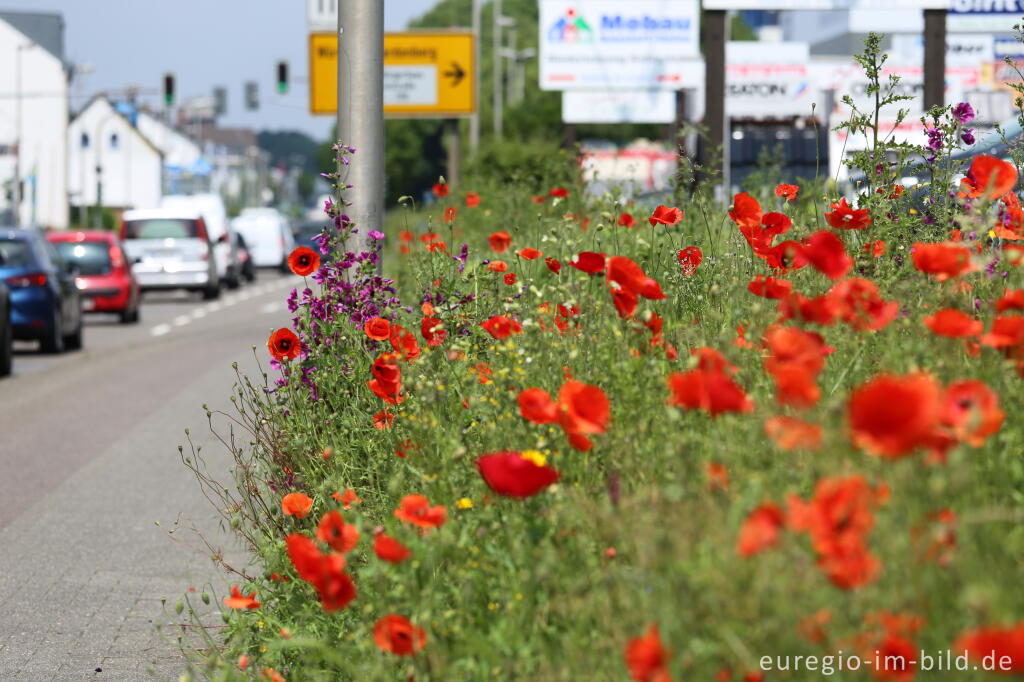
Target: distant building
x=33 y=120
x=111 y=163
x=186 y=170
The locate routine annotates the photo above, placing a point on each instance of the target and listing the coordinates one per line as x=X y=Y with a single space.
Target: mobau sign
x=610 y=44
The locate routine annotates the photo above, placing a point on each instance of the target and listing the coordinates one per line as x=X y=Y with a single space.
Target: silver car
x=171 y=249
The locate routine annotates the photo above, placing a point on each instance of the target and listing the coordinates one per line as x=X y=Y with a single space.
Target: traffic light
x=252 y=96
x=220 y=98
x=282 y=77
x=168 y=89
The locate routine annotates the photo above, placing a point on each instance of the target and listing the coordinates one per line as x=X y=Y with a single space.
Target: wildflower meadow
x=531 y=433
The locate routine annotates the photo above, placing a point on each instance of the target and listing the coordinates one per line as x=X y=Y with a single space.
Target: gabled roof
x=103 y=98
x=45 y=29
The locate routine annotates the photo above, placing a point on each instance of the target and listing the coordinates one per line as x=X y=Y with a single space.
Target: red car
x=105 y=278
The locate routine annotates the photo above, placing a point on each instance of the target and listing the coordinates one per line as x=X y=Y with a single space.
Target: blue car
x=6 y=335
x=45 y=304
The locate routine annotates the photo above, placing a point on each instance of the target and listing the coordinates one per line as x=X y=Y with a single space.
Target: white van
x=215 y=217
x=268 y=236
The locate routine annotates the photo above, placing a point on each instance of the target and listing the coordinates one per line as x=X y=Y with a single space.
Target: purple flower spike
x=963 y=112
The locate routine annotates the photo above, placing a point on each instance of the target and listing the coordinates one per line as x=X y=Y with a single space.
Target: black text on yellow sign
x=425 y=74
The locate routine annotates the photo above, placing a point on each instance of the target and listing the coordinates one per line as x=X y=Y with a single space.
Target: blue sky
x=206 y=43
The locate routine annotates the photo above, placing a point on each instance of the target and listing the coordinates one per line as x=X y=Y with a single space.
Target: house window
x=114 y=141
x=85 y=140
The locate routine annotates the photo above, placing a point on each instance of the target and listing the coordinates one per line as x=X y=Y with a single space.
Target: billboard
x=619 y=106
x=611 y=45
x=767 y=80
x=984 y=15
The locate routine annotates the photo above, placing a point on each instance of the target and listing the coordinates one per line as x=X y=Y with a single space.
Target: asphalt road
x=89 y=464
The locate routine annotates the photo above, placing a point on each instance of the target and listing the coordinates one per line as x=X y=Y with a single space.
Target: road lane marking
x=271 y=308
x=198 y=313
x=160 y=329
x=181 y=320
x=213 y=307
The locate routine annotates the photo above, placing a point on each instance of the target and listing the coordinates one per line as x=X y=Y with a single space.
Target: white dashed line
x=181 y=320
x=245 y=296
x=213 y=307
x=271 y=308
x=198 y=313
x=160 y=329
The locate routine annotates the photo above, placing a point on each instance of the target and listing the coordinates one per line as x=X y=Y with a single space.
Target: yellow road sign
x=429 y=75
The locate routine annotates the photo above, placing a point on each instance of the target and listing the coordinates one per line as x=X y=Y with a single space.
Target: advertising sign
x=619 y=106
x=984 y=15
x=611 y=44
x=827 y=4
x=425 y=74
x=766 y=80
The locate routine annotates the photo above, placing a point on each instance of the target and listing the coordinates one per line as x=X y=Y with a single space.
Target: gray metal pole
x=474 y=121
x=934 y=57
x=361 y=112
x=451 y=129
x=715 y=35
x=499 y=114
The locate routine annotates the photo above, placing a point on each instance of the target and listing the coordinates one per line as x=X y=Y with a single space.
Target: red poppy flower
x=825 y=252
x=553 y=265
x=717 y=475
x=437 y=247
x=875 y=248
x=404 y=343
x=433 y=331
x=626 y=220
x=795 y=387
x=389 y=549
x=501 y=327
x=788 y=192
x=989 y=177
x=385 y=369
x=631 y=277
x=971 y=410
x=760 y=531
x=297 y=505
x=440 y=190
x=625 y=302
x=794 y=346
x=511 y=474
x=335 y=533
x=283 y=345
x=529 y=253
x=646 y=658
x=347 y=499
x=953 y=323
x=237 y=600
x=790 y=433
x=844 y=217
x=377 y=328
x=770 y=287
x=890 y=416
x=710 y=390
x=383 y=420
x=304 y=261
x=1007 y=331
x=497 y=266
x=510 y=278
x=325 y=572
x=941 y=261
x=560 y=192
x=900 y=656
x=406 y=236
x=472 y=199
x=585 y=408
x=500 y=241
x=416 y=509
x=535 y=405
x=1013 y=299
x=428 y=237
x=996 y=643
x=858 y=303
x=449 y=214
x=664 y=215
x=389 y=393
x=397 y=635
x=690 y=258
x=746 y=212
x=538 y=198
x=588 y=261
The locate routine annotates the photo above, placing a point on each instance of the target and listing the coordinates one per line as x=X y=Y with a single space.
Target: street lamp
x=17 y=130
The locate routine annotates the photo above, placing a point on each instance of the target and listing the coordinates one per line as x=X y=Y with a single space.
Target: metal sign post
x=934 y=57
x=361 y=113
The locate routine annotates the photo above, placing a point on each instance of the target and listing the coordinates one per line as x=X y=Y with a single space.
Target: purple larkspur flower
x=963 y=112
x=375 y=234
x=967 y=136
x=934 y=139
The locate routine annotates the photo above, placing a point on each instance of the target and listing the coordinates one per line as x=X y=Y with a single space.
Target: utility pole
x=361 y=113
x=499 y=114
x=715 y=37
x=934 y=57
x=474 y=121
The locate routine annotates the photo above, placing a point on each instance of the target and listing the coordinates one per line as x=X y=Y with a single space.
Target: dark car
x=105 y=278
x=45 y=304
x=244 y=258
x=6 y=333
x=306 y=234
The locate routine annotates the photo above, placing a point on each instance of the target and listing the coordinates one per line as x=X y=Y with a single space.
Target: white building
x=33 y=120
x=186 y=170
x=109 y=158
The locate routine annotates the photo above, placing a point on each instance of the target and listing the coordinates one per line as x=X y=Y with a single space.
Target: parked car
x=210 y=207
x=45 y=304
x=170 y=249
x=105 y=278
x=6 y=332
x=306 y=233
x=244 y=257
x=267 y=233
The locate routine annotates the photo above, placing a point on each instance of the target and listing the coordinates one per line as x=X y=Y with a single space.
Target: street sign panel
x=619 y=106
x=616 y=45
x=425 y=74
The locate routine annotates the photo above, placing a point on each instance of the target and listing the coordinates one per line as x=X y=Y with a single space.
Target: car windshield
x=307 y=232
x=15 y=253
x=161 y=228
x=92 y=258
